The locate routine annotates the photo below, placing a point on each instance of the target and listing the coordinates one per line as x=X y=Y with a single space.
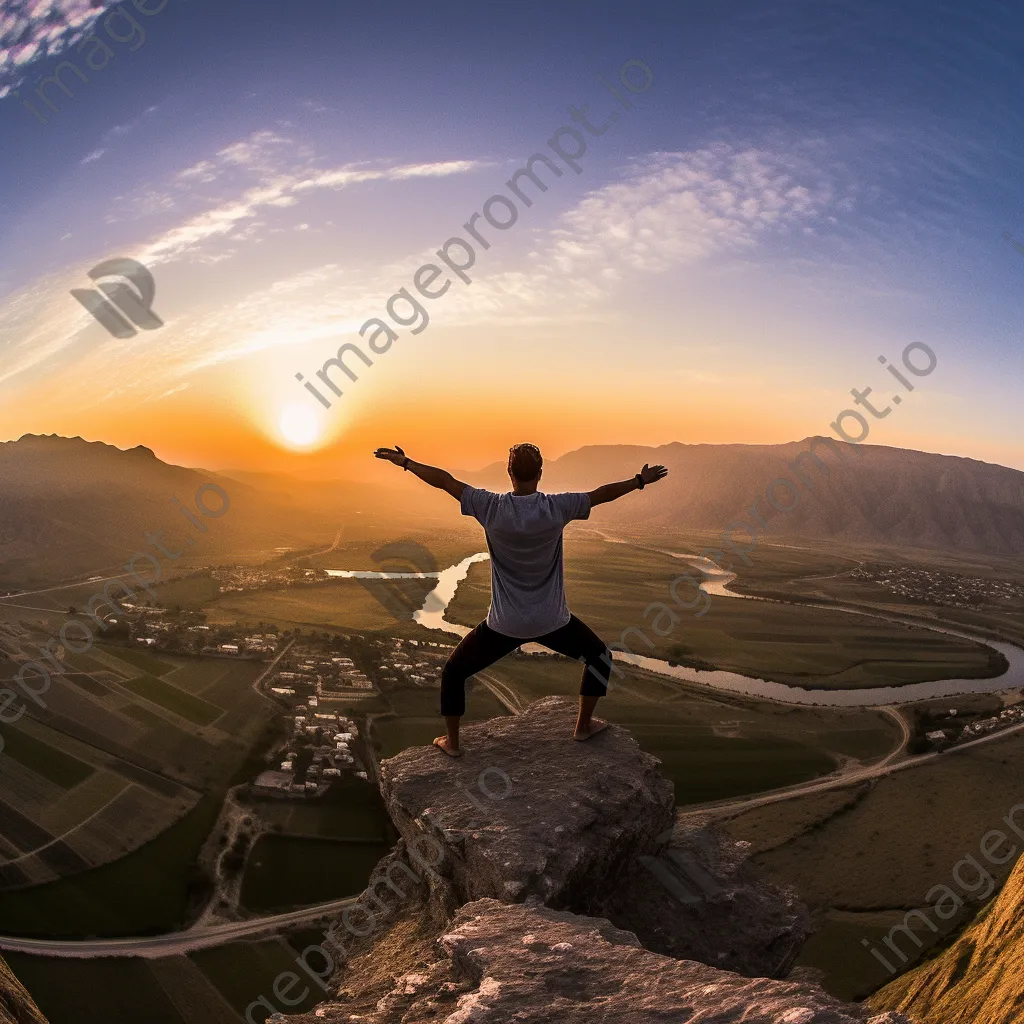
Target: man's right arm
x=439 y=478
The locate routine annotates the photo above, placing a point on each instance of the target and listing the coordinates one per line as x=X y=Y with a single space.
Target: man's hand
x=395 y=455
x=651 y=474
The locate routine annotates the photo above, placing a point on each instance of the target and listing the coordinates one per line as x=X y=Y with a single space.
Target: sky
x=769 y=197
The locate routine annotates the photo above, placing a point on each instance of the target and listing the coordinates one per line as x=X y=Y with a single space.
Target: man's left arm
x=609 y=492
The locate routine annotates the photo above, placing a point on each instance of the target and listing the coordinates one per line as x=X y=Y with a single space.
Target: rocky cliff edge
x=540 y=879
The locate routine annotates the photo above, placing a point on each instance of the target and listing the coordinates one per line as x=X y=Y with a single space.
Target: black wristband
x=405 y=465
x=639 y=481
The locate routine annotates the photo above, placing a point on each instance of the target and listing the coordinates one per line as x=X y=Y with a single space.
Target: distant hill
x=70 y=506
x=980 y=978
x=855 y=493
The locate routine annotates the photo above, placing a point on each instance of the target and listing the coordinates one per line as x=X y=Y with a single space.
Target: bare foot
x=442 y=743
x=596 y=725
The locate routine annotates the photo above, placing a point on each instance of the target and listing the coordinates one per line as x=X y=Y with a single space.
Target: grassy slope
x=979 y=978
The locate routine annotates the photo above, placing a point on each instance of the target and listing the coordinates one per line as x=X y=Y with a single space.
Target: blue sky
x=805 y=186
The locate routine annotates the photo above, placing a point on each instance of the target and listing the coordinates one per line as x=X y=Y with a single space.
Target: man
x=524 y=538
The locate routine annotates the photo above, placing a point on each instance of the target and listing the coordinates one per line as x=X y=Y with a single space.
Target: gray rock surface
x=542 y=879
x=528 y=811
x=501 y=963
x=697 y=898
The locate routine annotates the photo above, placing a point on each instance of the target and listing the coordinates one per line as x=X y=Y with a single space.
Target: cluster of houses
x=946 y=737
x=1008 y=716
x=248 y=577
x=159 y=628
x=314 y=675
x=414 y=661
x=324 y=673
x=323 y=742
x=945 y=588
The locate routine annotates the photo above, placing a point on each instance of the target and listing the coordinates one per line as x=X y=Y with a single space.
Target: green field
x=120 y=897
x=863 y=858
x=244 y=971
x=149 y=663
x=126 y=989
x=787 y=572
x=353 y=809
x=709 y=767
x=183 y=704
x=60 y=768
x=339 y=605
x=283 y=872
x=189 y=594
x=213 y=986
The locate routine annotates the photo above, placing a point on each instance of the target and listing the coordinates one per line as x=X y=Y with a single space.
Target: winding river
x=716 y=583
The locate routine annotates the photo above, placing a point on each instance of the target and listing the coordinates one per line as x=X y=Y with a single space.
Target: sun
x=299 y=425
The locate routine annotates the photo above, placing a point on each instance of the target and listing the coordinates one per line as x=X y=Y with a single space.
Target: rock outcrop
x=16 y=1005
x=979 y=978
x=540 y=879
x=510 y=962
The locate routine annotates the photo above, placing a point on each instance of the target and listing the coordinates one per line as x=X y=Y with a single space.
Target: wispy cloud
x=666 y=211
x=33 y=30
x=41 y=325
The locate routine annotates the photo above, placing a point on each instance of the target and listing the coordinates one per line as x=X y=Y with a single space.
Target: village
x=315 y=679
x=956 y=733
x=936 y=587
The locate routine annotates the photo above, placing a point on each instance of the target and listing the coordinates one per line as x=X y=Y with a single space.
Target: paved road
x=67 y=586
x=850 y=777
x=257 y=683
x=153 y=947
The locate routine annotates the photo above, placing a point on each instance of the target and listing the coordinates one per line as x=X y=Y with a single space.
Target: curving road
x=887 y=766
x=177 y=943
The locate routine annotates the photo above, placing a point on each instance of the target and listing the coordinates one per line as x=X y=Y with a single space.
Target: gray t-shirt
x=524 y=537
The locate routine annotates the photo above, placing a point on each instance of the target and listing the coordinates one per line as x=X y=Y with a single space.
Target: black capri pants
x=483 y=646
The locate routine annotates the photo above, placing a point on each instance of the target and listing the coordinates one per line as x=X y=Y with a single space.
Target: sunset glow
x=300 y=426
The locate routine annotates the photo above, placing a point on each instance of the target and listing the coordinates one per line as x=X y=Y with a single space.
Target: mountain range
x=836 y=491
x=70 y=506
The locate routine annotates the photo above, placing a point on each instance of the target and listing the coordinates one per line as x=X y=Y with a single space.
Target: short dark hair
x=525 y=461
